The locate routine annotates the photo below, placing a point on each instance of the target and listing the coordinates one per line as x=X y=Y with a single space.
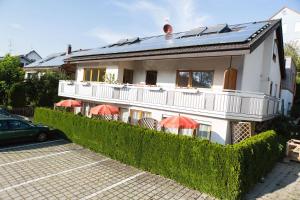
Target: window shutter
x=230 y=76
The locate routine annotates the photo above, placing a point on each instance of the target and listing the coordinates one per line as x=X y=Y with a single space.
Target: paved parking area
x=282 y=183
x=61 y=170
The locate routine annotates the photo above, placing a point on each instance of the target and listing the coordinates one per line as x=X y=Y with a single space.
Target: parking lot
x=62 y=170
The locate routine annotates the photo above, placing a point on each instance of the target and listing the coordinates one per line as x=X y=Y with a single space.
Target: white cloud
x=16 y=26
x=182 y=14
x=107 y=35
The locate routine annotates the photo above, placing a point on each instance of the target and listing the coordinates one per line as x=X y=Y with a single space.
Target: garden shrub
x=224 y=171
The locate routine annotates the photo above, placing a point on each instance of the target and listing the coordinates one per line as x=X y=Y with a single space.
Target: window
x=151 y=77
x=128 y=76
x=94 y=74
x=197 y=79
x=14 y=124
x=3 y=125
x=204 y=131
x=297 y=27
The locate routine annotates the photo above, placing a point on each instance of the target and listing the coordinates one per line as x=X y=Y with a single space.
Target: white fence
x=225 y=104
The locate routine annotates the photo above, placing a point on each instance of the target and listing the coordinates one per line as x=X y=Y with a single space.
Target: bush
x=17 y=95
x=226 y=172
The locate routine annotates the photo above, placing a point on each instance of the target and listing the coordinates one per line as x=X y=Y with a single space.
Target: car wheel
x=42 y=137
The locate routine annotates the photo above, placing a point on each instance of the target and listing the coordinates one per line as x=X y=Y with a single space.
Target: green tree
x=10 y=73
x=44 y=91
x=17 y=94
x=291 y=49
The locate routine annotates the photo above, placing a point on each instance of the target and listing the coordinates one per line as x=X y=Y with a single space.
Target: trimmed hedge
x=226 y=172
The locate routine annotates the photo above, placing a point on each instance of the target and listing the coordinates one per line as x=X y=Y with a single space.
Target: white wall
x=290 y=19
x=260 y=69
x=166 y=76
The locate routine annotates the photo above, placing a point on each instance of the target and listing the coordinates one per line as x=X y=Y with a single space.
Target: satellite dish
x=168 y=29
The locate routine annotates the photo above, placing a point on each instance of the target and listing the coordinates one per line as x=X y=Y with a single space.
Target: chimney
x=69 y=49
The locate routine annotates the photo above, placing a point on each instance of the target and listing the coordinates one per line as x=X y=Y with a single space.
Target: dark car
x=4 y=112
x=12 y=129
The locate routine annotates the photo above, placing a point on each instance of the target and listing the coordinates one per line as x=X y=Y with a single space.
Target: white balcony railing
x=222 y=104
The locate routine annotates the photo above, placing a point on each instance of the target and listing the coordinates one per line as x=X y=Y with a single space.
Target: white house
x=290 y=24
x=288 y=86
x=226 y=77
x=291 y=34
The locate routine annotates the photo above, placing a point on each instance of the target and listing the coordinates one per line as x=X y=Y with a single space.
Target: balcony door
x=230 y=76
x=151 y=77
x=128 y=76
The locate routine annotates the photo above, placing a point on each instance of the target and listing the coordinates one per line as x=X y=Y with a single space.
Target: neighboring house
x=291 y=34
x=288 y=86
x=53 y=62
x=225 y=77
x=290 y=24
x=28 y=58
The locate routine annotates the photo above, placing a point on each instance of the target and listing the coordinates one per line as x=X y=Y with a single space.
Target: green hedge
x=226 y=172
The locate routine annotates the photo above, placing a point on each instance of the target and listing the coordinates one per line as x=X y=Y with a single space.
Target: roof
x=54 y=60
x=33 y=51
x=222 y=37
x=285 y=7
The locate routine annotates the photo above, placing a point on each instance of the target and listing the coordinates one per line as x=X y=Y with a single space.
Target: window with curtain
x=204 y=131
x=195 y=79
x=94 y=74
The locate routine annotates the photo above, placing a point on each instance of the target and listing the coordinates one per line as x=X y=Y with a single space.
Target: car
x=4 y=112
x=12 y=129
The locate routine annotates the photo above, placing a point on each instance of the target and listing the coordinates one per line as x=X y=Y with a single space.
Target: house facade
x=290 y=24
x=223 y=76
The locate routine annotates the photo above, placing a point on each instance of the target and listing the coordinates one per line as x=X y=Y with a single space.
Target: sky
x=48 y=26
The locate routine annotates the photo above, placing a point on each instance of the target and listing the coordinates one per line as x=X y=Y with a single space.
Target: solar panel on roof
x=220 y=28
x=241 y=35
x=194 y=32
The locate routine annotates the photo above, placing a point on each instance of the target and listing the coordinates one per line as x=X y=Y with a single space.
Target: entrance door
x=151 y=77
x=230 y=76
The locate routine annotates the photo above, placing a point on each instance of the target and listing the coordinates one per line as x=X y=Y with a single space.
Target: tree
x=291 y=49
x=17 y=94
x=10 y=73
x=44 y=91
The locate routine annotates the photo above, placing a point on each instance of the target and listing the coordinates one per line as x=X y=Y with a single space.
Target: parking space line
x=35 y=158
x=112 y=186
x=28 y=145
x=50 y=175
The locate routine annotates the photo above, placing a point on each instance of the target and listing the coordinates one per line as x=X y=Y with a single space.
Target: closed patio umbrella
x=104 y=110
x=68 y=103
x=179 y=122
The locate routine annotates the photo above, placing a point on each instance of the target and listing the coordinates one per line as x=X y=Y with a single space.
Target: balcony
x=234 y=105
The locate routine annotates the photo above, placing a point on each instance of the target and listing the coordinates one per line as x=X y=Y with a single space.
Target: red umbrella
x=104 y=110
x=179 y=122
x=69 y=103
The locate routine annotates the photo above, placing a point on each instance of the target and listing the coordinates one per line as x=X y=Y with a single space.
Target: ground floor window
x=195 y=79
x=94 y=74
x=204 y=131
x=136 y=115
